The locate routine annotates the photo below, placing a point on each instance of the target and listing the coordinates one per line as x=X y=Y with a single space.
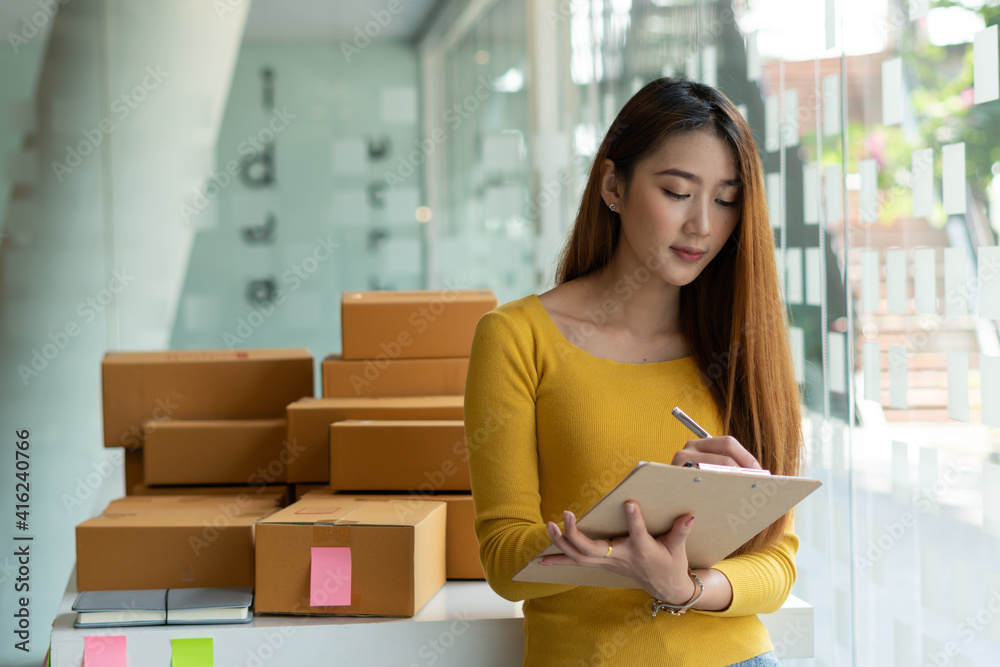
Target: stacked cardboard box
x=408 y=343
x=462 y=546
x=281 y=494
x=389 y=425
x=399 y=455
x=238 y=451
x=199 y=384
x=333 y=555
x=296 y=491
x=204 y=418
x=393 y=377
x=170 y=542
x=422 y=324
x=308 y=436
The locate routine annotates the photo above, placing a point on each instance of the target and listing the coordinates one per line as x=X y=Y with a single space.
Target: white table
x=464 y=624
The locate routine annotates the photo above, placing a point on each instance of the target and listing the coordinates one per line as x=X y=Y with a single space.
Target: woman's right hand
x=723 y=450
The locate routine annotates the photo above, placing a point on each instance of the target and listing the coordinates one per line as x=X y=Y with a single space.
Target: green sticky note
x=195 y=652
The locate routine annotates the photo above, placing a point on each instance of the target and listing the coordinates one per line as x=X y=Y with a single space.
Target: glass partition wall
x=876 y=125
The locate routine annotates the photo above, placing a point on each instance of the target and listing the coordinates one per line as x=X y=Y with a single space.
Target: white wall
x=114 y=210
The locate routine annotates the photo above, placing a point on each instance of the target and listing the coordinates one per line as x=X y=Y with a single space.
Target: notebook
x=730 y=506
x=97 y=609
x=161 y=606
x=209 y=605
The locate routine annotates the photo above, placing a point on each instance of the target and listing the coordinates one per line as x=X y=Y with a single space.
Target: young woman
x=667 y=296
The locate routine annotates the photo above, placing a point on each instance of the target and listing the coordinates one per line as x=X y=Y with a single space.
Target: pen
x=690 y=423
x=702 y=433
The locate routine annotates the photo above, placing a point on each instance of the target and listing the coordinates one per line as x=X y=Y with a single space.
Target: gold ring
x=609 y=548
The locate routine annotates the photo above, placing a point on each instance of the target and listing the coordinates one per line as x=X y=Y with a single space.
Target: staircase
x=927 y=338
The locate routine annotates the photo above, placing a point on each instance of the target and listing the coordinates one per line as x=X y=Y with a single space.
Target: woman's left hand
x=658 y=563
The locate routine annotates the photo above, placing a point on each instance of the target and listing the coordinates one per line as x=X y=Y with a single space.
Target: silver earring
x=612 y=206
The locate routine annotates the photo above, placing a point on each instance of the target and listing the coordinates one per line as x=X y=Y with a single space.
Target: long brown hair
x=732 y=314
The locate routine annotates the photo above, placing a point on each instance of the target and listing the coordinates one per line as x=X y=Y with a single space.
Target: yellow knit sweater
x=550 y=427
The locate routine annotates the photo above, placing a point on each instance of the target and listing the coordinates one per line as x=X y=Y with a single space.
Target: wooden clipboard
x=729 y=507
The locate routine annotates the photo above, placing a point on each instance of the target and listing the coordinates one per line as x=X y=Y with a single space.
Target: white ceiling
x=331 y=19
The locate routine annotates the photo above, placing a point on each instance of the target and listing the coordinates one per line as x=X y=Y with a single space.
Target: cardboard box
x=230 y=451
x=300 y=490
x=193 y=384
x=396 y=555
x=462 y=545
x=134 y=474
x=412 y=325
x=308 y=439
x=399 y=455
x=281 y=493
x=170 y=542
x=394 y=377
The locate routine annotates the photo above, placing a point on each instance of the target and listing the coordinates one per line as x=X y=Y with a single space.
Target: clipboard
x=730 y=506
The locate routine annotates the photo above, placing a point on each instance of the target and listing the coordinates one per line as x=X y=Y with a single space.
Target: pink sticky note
x=104 y=651
x=330 y=577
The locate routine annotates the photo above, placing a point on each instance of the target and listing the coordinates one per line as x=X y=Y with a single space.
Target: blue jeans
x=763 y=660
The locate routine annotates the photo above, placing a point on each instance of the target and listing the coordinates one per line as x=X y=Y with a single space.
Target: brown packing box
x=399 y=455
x=136 y=486
x=281 y=493
x=394 y=377
x=233 y=451
x=397 y=564
x=299 y=490
x=412 y=325
x=170 y=542
x=133 y=469
x=309 y=425
x=462 y=550
x=199 y=384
